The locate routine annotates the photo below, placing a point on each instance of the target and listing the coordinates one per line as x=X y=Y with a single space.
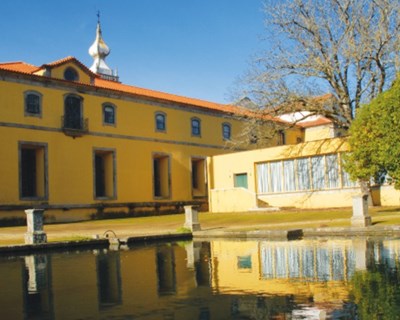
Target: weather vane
x=98 y=16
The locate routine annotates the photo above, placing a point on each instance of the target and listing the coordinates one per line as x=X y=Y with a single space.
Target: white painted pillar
x=360 y=217
x=191 y=218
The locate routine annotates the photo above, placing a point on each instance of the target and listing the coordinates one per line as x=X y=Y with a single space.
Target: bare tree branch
x=349 y=48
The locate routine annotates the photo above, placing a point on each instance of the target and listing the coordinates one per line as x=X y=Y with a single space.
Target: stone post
x=35 y=234
x=360 y=216
x=191 y=218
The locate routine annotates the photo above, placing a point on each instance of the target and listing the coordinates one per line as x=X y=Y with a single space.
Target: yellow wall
x=318 y=133
x=129 y=147
x=133 y=140
x=224 y=196
x=222 y=170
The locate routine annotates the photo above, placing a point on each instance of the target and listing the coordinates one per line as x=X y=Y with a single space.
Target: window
x=302 y=174
x=226 y=131
x=199 y=183
x=33 y=102
x=240 y=180
x=161 y=176
x=332 y=171
x=104 y=174
x=108 y=114
x=160 y=122
x=33 y=171
x=288 y=174
x=73 y=113
x=276 y=176
x=318 y=172
x=281 y=138
x=71 y=74
x=196 y=129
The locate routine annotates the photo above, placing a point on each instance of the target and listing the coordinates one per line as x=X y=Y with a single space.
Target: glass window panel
x=240 y=180
x=289 y=177
x=160 y=122
x=196 y=131
x=347 y=182
x=318 y=172
x=226 y=131
x=303 y=174
x=276 y=176
x=109 y=116
x=32 y=103
x=332 y=171
x=262 y=178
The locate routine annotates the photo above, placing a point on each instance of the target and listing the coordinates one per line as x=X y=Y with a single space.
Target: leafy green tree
x=375 y=139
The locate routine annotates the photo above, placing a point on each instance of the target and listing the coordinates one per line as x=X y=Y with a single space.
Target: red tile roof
x=23 y=67
x=65 y=60
x=314 y=123
x=101 y=83
x=113 y=85
x=18 y=66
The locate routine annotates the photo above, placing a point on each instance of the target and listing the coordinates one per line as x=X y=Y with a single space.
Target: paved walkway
x=136 y=228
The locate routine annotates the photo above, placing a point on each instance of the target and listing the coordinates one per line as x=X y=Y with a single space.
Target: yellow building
x=80 y=144
x=308 y=175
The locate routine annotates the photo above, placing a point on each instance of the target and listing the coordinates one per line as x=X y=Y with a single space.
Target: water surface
x=305 y=279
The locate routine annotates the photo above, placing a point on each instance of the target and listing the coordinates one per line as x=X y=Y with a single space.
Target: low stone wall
x=15 y=215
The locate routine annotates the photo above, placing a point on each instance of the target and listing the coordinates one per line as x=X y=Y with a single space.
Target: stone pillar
x=360 y=216
x=35 y=234
x=191 y=218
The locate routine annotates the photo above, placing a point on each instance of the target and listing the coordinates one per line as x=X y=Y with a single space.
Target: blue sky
x=195 y=48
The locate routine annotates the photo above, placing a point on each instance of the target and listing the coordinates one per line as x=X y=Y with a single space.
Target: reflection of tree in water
x=377 y=292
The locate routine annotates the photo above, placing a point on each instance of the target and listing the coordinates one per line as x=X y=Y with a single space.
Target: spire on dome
x=99 y=51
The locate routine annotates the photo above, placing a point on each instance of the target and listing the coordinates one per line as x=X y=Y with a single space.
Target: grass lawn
x=267 y=220
x=273 y=219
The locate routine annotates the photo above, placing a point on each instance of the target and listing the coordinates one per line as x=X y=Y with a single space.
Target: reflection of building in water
x=225 y=279
x=325 y=262
x=166 y=270
x=109 y=279
x=37 y=290
x=203 y=266
x=315 y=273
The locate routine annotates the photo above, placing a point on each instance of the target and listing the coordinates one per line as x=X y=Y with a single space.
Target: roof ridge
x=99 y=81
x=17 y=62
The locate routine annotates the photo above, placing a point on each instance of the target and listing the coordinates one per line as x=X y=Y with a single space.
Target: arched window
x=71 y=74
x=226 y=131
x=33 y=103
x=160 y=119
x=196 y=127
x=108 y=114
x=73 y=112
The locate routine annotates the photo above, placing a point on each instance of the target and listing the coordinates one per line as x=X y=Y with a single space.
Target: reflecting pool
x=220 y=279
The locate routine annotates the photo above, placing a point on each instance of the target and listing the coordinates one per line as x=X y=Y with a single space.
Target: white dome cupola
x=99 y=51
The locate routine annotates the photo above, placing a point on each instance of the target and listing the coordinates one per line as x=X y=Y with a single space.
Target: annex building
x=306 y=175
x=81 y=144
